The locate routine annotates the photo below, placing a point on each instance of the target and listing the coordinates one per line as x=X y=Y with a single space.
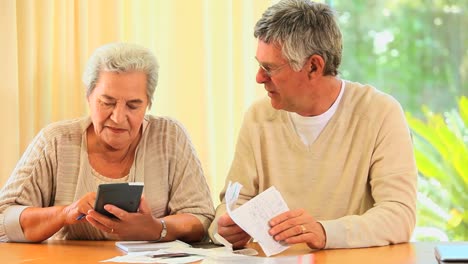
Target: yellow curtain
x=205 y=49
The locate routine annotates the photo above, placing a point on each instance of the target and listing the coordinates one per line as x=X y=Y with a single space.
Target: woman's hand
x=40 y=223
x=127 y=226
x=72 y=212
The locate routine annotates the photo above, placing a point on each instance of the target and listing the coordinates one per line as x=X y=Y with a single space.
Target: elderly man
x=340 y=152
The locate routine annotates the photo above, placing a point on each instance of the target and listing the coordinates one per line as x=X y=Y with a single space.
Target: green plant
x=441 y=151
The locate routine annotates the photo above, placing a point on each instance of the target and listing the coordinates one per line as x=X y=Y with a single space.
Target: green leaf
x=441 y=152
x=463 y=108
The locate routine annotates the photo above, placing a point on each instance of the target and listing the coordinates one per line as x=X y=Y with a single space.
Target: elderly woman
x=56 y=179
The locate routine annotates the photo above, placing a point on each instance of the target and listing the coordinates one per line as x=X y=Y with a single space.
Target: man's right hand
x=232 y=232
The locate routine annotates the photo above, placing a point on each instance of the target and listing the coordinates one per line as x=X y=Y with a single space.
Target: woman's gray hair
x=122 y=57
x=303 y=28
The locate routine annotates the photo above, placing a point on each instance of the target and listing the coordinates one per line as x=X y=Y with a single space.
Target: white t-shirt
x=309 y=127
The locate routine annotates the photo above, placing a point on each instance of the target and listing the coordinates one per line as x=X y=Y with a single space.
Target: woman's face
x=118 y=105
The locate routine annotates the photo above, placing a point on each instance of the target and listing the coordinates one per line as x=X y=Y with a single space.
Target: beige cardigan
x=54 y=170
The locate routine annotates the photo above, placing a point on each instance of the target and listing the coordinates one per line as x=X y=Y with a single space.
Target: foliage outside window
x=416 y=50
x=441 y=149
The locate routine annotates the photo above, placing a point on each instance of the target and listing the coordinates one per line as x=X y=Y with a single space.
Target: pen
x=80 y=216
x=171 y=255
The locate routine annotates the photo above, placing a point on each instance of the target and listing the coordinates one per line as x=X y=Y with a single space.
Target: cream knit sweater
x=358 y=178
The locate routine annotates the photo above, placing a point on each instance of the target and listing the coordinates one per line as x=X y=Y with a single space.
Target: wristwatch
x=163 y=231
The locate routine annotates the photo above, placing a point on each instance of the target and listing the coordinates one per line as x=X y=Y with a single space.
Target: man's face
x=286 y=87
x=118 y=105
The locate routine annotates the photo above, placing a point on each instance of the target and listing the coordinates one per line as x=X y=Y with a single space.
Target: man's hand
x=297 y=226
x=232 y=232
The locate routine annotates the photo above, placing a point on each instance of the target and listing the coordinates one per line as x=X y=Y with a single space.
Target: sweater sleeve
x=190 y=192
x=392 y=180
x=30 y=185
x=243 y=170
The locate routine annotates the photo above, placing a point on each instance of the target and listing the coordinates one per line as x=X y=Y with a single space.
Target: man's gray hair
x=122 y=57
x=303 y=28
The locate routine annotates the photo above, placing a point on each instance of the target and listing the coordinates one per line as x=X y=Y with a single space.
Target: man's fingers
x=241 y=243
x=230 y=230
x=290 y=226
x=236 y=237
x=296 y=230
x=238 y=240
x=225 y=220
x=285 y=216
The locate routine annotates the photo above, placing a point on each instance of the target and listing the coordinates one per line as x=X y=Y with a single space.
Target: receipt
x=253 y=216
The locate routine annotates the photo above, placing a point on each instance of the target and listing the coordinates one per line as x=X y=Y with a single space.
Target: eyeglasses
x=271 y=72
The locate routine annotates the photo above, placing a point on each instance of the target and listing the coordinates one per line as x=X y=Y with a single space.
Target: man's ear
x=316 y=65
x=312 y=68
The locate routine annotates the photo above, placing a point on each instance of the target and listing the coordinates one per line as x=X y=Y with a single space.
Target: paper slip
x=134 y=246
x=219 y=253
x=192 y=255
x=149 y=257
x=253 y=216
x=304 y=259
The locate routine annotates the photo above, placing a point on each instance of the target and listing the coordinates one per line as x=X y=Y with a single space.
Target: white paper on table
x=220 y=255
x=228 y=247
x=145 y=257
x=253 y=216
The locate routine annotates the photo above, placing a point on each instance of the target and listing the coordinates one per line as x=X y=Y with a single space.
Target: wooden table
x=408 y=253
x=95 y=251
